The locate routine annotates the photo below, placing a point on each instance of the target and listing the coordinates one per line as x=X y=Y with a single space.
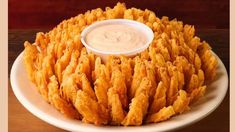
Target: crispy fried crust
x=116 y=110
x=161 y=81
x=164 y=114
x=139 y=104
x=159 y=100
x=56 y=100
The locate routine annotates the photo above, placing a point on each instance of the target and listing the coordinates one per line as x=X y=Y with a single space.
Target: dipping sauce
x=116 y=37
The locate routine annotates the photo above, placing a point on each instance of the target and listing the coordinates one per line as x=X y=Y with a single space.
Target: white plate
x=27 y=94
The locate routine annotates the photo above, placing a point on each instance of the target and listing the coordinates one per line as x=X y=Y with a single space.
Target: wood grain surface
x=21 y=119
x=47 y=13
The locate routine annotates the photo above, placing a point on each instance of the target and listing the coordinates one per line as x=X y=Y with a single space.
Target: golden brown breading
x=112 y=61
x=91 y=57
x=193 y=83
x=161 y=48
x=181 y=79
x=127 y=70
x=116 y=110
x=55 y=99
x=85 y=85
x=139 y=73
x=69 y=88
x=151 y=74
x=88 y=108
x=43 y=72
x=173 y=89
x=30 y=56
x=139 y=104
x=62 y=63
x=159 y=82
x=72 y=65
x=194 y=43
x=84 y=64
x=209 y=63
x=188 y=32
x=164 y=114
x=73 y=83
x=138 y=109
x=197 y=93
x=101 y=86
x=144 y=55
x=100 y=71
x=174 y=49
x=197 y=62
x=159 y=100
x=41 y=84
x=116 y=12
x=201 y=77
x=42 y=40
x=119 y=85
x=164 y=77
x=101 y=89
x=181 y=104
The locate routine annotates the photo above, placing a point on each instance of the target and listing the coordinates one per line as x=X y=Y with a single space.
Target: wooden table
x=22 y=120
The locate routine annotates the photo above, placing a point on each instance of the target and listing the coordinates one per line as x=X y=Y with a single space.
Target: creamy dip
x=116 y=38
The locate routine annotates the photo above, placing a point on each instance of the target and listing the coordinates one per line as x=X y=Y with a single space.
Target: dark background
x=27 y=14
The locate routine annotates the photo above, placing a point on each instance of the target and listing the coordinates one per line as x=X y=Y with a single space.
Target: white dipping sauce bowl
x=129 y=53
